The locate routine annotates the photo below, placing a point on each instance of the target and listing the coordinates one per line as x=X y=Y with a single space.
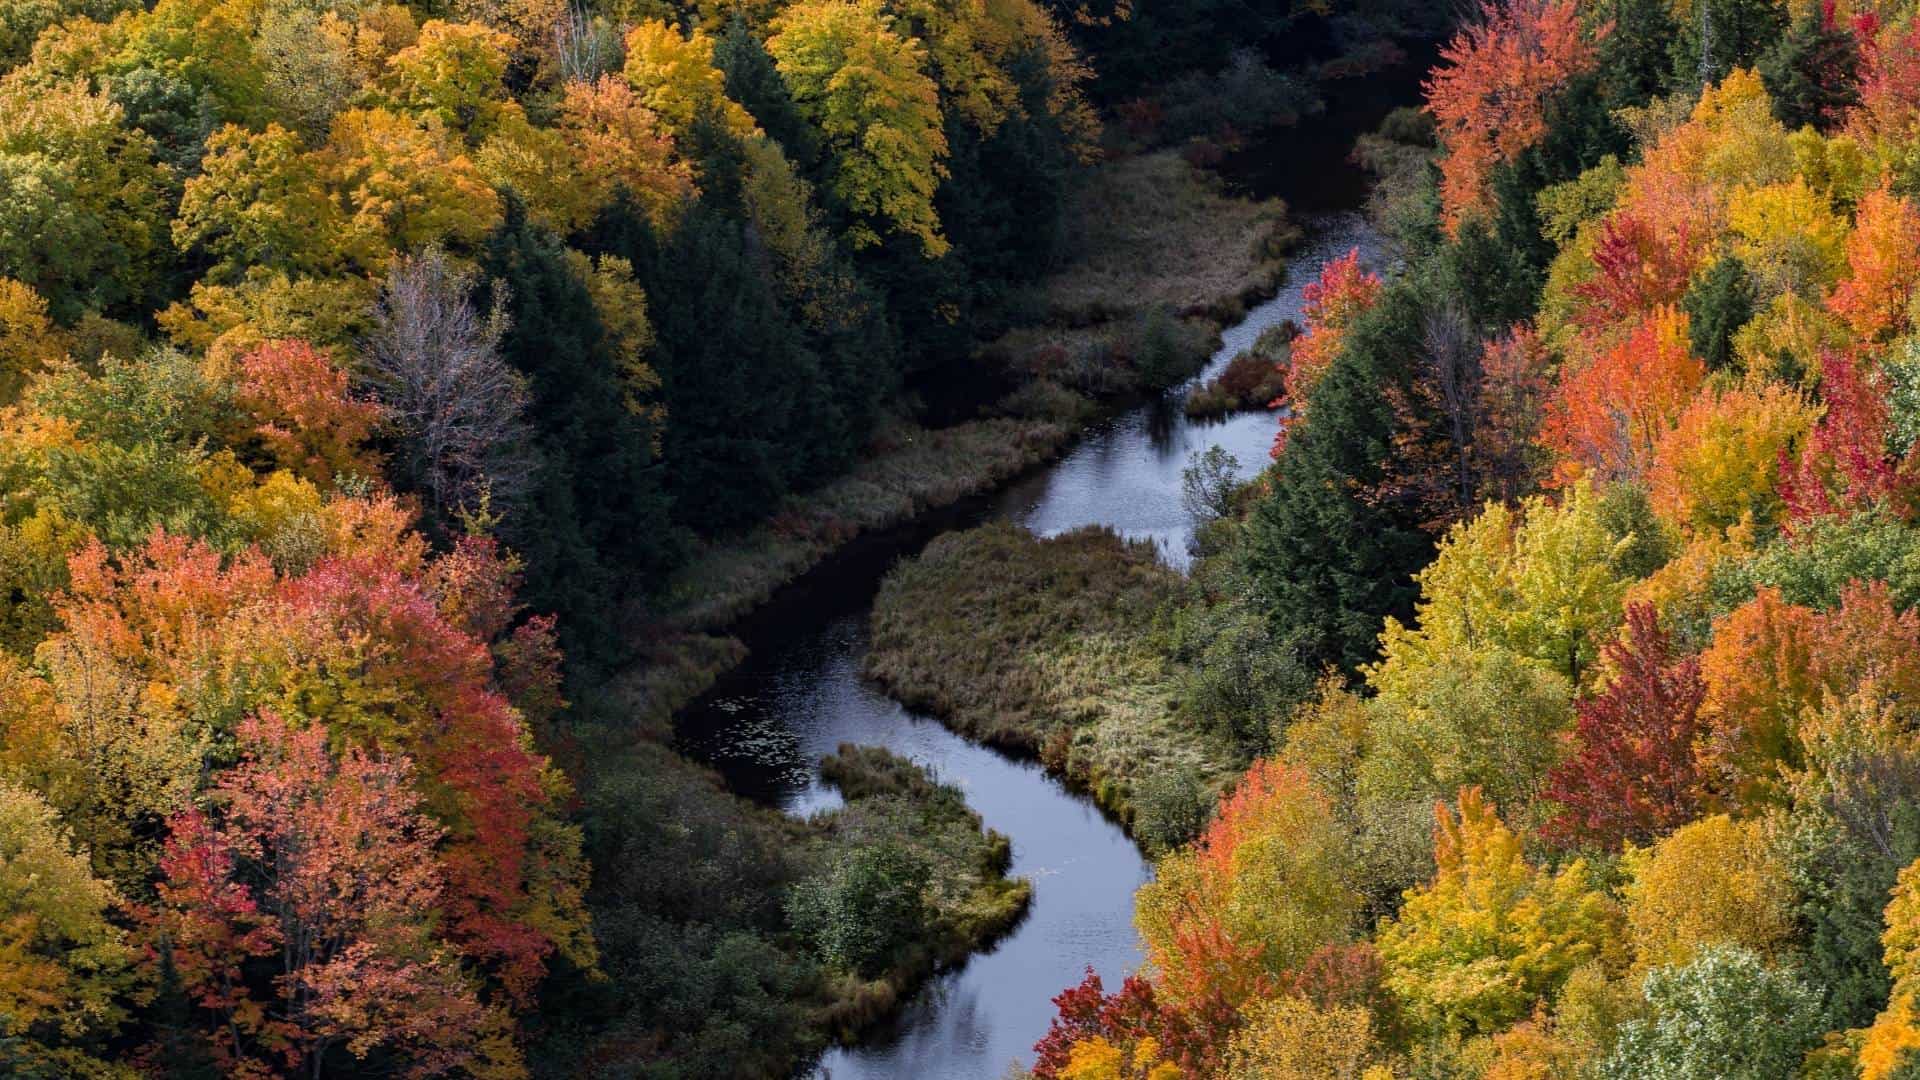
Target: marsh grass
x=1050 y=648
x=1156 y=258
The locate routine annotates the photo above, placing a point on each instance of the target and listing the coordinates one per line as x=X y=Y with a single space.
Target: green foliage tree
x=1718 y=304
x=1726 y=1015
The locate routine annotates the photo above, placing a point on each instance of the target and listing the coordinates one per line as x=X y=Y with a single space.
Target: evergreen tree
x=1812 y=72
x=599 y=518
x=1718 y=304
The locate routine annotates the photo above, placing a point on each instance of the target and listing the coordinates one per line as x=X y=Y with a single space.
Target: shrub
x=1170 y=808
x=859 y=913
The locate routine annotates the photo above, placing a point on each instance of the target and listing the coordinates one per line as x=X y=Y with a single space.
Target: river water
x=800 y=694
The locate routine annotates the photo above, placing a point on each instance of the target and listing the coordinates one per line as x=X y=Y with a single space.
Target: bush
x=1170 y=808
x=857 y=915
x=1239 y=676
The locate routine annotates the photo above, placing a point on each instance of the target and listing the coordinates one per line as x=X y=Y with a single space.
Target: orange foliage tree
x=1608 y=415
x=1883 y=266
x=1489 y=96
x=1341 y=293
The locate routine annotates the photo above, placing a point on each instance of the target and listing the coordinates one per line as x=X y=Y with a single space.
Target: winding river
x=767 y=724
x=800 y=695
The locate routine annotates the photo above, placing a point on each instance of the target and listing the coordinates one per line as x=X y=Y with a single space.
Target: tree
x=407 y=183
x=860 y=913
x=1608 y=415
x=1714 y=881
x=1261 y=890
x=864 y=86
x=457 y=403
x=616 y=140
x=676 y=78
x=258 y=202
x=1844 y=465
x=1812 y=72
x=1718 y=303
x=1127 y=1018
x=1545 y=583
x=309 y=419
x=1632 y=774
x=1890 y=1046
x=1883 y=266
x=1341 y=293
x=1490 y=936
x=1719 y=464
x=1288 y=1036
x=1759 y=675
x=1724 y=1016
x=598 y=504
x=65 y=968
x=82 y=221
x=455 y=72
x=1489 y=95
x=326 y=868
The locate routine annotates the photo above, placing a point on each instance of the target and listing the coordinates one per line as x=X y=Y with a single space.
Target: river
x=800 y=695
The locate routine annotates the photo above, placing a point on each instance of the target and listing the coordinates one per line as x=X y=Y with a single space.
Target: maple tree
x=1632 y=773
x=1608 y=415
x=1341 y=293
x=865 y=87
x=1845 y=463
x=328 y=867
x=310 y=420
x=1883 y=266
x=1490 y=94
x=1719 y=464
x=1490 y=935
x=1210 y=923
x=1712 y=881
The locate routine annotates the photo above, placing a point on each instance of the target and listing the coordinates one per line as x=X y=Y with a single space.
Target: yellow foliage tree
x=1290 y=1037
x=1720 y=464
x=865 y=86
x=675 y=77
x=1490 y=937
x=1714 y=881
x=407 y=183
x=63 y=964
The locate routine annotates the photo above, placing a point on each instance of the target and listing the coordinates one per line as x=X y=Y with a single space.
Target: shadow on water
x=800 y=694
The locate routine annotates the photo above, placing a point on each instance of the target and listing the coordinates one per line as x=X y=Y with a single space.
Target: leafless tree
x=1452 y=351
x=459 y=407
x=585 y=46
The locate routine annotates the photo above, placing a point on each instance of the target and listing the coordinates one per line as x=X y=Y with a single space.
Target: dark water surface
x=800 y=695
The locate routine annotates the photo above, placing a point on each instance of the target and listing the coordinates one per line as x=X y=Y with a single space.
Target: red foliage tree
x=1636 y=270
x=308 y=418
x=1845 y=464
x=1123 y=1018
x=325 y=869
x=1633 y=775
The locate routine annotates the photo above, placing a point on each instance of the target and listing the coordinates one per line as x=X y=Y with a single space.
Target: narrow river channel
x=800 y=695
